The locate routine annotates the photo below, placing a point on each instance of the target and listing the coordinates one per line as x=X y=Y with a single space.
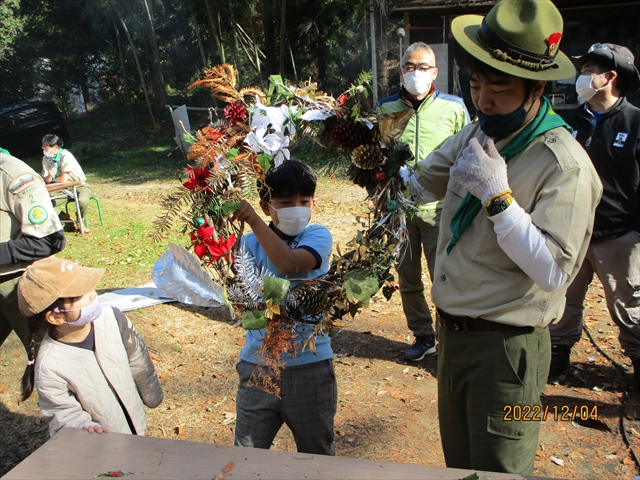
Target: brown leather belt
x=455 y=323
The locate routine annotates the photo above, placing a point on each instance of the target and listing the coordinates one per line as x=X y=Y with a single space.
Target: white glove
x=481 y=171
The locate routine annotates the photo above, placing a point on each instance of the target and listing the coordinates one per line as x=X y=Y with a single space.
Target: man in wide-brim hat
x=608 y=127
x=520 y=194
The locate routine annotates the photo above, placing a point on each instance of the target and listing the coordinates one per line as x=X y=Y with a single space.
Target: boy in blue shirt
x=289 y=248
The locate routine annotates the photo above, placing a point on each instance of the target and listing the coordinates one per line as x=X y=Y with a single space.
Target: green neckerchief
x=56 y=161
x=545 y=120
x=6 y=152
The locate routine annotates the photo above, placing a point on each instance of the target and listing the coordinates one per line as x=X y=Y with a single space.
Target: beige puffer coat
x=78 y=387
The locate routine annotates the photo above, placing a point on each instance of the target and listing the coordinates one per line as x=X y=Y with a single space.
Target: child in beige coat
x=89 y=365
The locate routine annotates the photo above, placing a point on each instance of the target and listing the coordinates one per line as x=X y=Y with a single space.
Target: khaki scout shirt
x=554 y=181
x=25 y=206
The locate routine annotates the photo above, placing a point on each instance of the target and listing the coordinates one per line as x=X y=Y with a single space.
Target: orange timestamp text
x=537 y=413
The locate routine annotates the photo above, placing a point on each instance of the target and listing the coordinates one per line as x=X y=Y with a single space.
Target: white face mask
x=87 y=314
x=417 y=83
x=293 y=220
x=584 y=88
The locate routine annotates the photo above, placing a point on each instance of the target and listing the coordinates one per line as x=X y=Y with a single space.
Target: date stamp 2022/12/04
x=537 y=413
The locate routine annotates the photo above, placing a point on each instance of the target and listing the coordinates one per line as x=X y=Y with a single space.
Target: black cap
x=618 y=58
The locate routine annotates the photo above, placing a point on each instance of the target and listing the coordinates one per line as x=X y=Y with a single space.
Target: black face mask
x=502 y=125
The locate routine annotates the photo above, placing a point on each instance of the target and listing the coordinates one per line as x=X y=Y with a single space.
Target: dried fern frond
x=172 y=205
x=222 y=79
x=252 y=92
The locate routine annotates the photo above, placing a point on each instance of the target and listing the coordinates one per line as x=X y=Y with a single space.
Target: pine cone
x=351 y=135
x=362 y=178
x=312 y=299
x=235 y=113
x=367 y=156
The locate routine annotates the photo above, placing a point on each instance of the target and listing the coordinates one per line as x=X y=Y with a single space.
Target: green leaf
x=264 y=159
x=360 y=286
x=387 y=292
x=230 y=207
x=254 y=319
x=275 y=289
x=232 y=153
x=188 y=138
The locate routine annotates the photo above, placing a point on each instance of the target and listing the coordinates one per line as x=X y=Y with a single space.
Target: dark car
x=23 y=125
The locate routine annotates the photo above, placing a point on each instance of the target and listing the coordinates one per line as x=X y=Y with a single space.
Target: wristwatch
x=496 y=206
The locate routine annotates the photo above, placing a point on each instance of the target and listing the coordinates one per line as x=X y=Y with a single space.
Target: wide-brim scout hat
x=517 y=37
x=618 y=58
x=51 y=278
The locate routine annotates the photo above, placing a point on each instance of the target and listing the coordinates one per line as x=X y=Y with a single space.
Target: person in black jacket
x=608 y=127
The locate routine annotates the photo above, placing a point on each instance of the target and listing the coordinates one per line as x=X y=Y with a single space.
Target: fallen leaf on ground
x=557 y=461
x=593 y=423
x=179 y=430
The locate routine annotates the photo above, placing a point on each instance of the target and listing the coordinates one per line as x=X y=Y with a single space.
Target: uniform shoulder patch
x=37 y=215
x=21 y=183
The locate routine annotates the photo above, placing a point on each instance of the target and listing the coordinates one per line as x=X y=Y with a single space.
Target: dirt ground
x=387 y=406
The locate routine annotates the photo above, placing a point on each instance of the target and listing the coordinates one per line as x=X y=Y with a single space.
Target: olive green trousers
x=486 y=381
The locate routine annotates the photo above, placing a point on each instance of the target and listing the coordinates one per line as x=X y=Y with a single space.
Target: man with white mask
x=437 y=117
x=608 y=127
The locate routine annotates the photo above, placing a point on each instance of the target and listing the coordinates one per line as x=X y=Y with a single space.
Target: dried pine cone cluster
x=362 y=178
x=312 y=299
x=349 y=136
x=367 y=156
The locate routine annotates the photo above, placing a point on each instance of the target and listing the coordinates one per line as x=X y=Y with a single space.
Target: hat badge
x=553 y=42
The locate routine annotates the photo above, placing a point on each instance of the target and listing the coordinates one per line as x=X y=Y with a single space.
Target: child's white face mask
x=293 y=220
x=87 y=314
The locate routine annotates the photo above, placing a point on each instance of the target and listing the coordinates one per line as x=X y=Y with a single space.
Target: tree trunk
x=197 y=29
x=161 y=98
x=236 y=57
x=215 y=32
x=382 y=50
x=137 y=60
x=255 y=50
x=283 y=31
x=84 y=87
x=269 y=37
x=124 y=73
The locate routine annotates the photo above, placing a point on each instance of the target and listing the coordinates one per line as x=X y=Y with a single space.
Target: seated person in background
x=288 y=248
x=60 y=166
x=90 y=366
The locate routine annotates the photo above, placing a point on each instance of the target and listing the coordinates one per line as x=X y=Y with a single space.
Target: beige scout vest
x=25 y=206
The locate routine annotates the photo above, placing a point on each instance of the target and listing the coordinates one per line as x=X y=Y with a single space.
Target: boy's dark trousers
x=307 y=404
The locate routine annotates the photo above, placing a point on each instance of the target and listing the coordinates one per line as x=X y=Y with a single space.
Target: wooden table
x=75 y=453
x=71 y=188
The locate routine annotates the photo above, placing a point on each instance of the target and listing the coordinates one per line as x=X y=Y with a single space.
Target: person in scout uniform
x=29 y=230
x=437 y=117
x=60 y=166
x=608 y=127
x=519 y=198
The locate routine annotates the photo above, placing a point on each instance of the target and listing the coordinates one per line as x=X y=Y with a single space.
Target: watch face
x=498 y=206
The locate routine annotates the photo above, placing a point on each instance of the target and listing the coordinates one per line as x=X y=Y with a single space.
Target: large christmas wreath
x=232 y=155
